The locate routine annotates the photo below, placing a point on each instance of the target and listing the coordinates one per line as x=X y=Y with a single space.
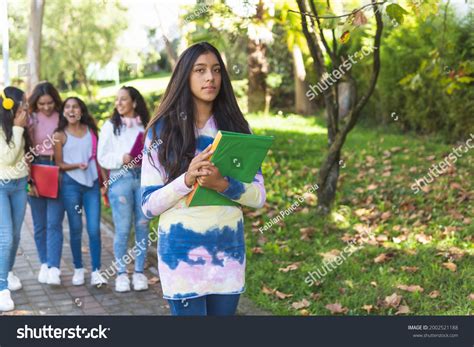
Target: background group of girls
x=63 y=133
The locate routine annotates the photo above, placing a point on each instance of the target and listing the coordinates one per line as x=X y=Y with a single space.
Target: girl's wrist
x=223 y=185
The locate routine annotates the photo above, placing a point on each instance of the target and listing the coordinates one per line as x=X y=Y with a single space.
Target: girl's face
x=205 y=79
x=124 y=103
x=72 y=111
x=45 y=105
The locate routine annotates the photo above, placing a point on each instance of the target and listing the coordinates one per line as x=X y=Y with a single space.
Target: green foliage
x=396 y=12
x=427 y=76
x=77 y=33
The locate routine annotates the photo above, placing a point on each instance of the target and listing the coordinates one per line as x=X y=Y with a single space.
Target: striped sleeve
x=247 y=194
x=157 y=197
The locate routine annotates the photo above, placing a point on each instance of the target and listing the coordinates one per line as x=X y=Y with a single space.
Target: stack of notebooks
x=235 y=155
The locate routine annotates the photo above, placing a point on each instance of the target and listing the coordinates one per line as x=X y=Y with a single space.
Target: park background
x=417 y=251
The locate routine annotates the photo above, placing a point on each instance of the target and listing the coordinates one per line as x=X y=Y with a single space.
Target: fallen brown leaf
x=434 y=294
x=331 y=255
x=300 y=304
x=403 y=310
x=393 y=300
x=290 y=267
x=410 y=269
x=450 y=266
x=368 y=308
x=306 y=233
x=336 y=308
x=411 y=288
x=282 y=296
x=382 y=258
x=257 y=250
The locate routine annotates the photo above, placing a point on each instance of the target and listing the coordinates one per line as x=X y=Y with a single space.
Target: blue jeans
x=48 y=215
x=12 y=212
x=125 y=201
x=208 y=305
x=76 y=199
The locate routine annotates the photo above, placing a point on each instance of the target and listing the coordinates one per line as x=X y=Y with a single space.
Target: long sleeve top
x=201 y=250
x=111 y=147
x=12 y=165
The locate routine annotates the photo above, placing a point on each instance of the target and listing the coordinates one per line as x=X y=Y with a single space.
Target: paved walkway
x=42 y=299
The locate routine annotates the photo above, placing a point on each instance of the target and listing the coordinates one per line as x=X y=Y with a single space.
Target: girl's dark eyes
x=202 y=70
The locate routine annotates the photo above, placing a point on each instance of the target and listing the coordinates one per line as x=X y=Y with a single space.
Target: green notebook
x=236 y=155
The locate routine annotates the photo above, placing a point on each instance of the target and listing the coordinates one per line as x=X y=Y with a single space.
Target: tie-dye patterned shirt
x=201 y=250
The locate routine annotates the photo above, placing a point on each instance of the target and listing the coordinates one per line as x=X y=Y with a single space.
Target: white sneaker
x=140 y=282
x=97 y=279
x=6 y=302
x=43 y=274
x=122 y=283
x=78 y=277
x=53 y=276
x=14 y=282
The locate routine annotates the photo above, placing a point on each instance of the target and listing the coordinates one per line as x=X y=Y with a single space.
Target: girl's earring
x=134 y=105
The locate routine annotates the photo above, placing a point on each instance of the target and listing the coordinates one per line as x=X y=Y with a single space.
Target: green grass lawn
x=412 y=235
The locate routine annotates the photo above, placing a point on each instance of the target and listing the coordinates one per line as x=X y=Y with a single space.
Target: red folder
x=137 y=149
x=46 y=180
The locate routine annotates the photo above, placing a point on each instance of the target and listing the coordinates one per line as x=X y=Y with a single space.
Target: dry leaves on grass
x=276 y=293
x=257 y=250
x=290 y=267
x=368 y=308
x=450 y=266
x=331 y=255
x=411 y=288
x=306 y=233
x=383 y=257
x=403 y=310
x=393 y=300
x=434 y=294
x=471 y=296
x=423 y=238
x=298 y=305
x=337 y=308
x=410 y=269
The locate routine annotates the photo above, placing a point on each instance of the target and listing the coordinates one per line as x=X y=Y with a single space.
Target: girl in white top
x=118 y=136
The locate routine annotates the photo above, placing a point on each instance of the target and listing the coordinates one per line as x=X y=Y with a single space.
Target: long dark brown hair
x=7 y=116
x=44 y=88
x=176 y=113
x=86 y=117
x=141 y=109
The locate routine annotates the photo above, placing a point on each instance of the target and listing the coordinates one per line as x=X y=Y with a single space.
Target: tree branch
x=354 y=114
x=375 y=71
x=340 y=16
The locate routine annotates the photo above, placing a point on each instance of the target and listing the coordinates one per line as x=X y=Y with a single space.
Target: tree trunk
x=257 y=73
x=5 y=42
x=257 y=68
x=302 y=104
x=172 y=57
x=33 y=50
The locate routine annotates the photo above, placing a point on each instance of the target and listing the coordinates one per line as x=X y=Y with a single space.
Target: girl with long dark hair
x=48 y=213
x=75 y=154
x=13 y=182
x=201 y=250
x=118 y=137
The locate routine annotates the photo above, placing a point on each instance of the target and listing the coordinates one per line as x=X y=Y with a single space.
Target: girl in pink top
x=48 y=214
